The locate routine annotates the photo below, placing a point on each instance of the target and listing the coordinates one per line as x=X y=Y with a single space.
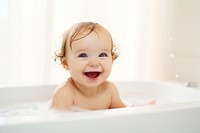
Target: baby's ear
x=113 y=57
x=64 y=63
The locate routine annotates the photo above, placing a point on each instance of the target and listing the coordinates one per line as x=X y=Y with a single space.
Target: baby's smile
x=92 y=74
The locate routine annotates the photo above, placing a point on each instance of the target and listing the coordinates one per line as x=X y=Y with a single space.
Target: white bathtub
x=25 y=110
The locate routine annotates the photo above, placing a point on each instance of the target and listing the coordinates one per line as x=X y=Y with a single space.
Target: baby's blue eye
x=103 y=55
x=82 y=55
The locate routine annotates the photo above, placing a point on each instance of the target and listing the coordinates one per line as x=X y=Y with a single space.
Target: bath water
x=28 y=112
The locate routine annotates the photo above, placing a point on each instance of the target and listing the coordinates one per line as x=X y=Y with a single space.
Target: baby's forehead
x=84 y=32
x=96 y=38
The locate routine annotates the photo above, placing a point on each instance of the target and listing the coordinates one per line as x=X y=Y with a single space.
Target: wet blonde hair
x=78 y=32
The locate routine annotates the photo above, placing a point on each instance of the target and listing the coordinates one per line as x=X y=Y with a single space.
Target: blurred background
x=159 y=40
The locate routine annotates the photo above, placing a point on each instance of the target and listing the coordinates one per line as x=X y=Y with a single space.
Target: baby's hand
x=152 y=102
x=142 y=103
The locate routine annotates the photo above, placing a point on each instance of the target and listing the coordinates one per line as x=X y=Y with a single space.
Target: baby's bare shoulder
x=62 y=97
x=109 y=86
x=63 y=89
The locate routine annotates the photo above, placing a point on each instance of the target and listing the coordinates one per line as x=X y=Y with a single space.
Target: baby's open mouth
x=92 y=74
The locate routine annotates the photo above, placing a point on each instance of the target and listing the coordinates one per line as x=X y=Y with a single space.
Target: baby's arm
x=116 y=101
x=61 y=99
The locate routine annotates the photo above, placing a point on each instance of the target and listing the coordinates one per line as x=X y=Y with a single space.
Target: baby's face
x=89 y=59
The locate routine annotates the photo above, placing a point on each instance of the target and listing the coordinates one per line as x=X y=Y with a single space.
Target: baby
x=88 y=54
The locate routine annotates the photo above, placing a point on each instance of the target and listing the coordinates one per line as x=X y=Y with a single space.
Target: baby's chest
x=98 y=102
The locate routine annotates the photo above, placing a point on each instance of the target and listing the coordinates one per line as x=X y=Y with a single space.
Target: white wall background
x=158 y=39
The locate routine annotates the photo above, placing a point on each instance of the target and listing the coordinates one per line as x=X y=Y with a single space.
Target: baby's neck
x=84 y=90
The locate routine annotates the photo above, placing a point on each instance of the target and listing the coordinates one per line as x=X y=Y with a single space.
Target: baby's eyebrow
x=84 y=50
x=107 y=50
x=80 y=50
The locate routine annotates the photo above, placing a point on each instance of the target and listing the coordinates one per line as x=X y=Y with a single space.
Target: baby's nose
x=93 y=63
